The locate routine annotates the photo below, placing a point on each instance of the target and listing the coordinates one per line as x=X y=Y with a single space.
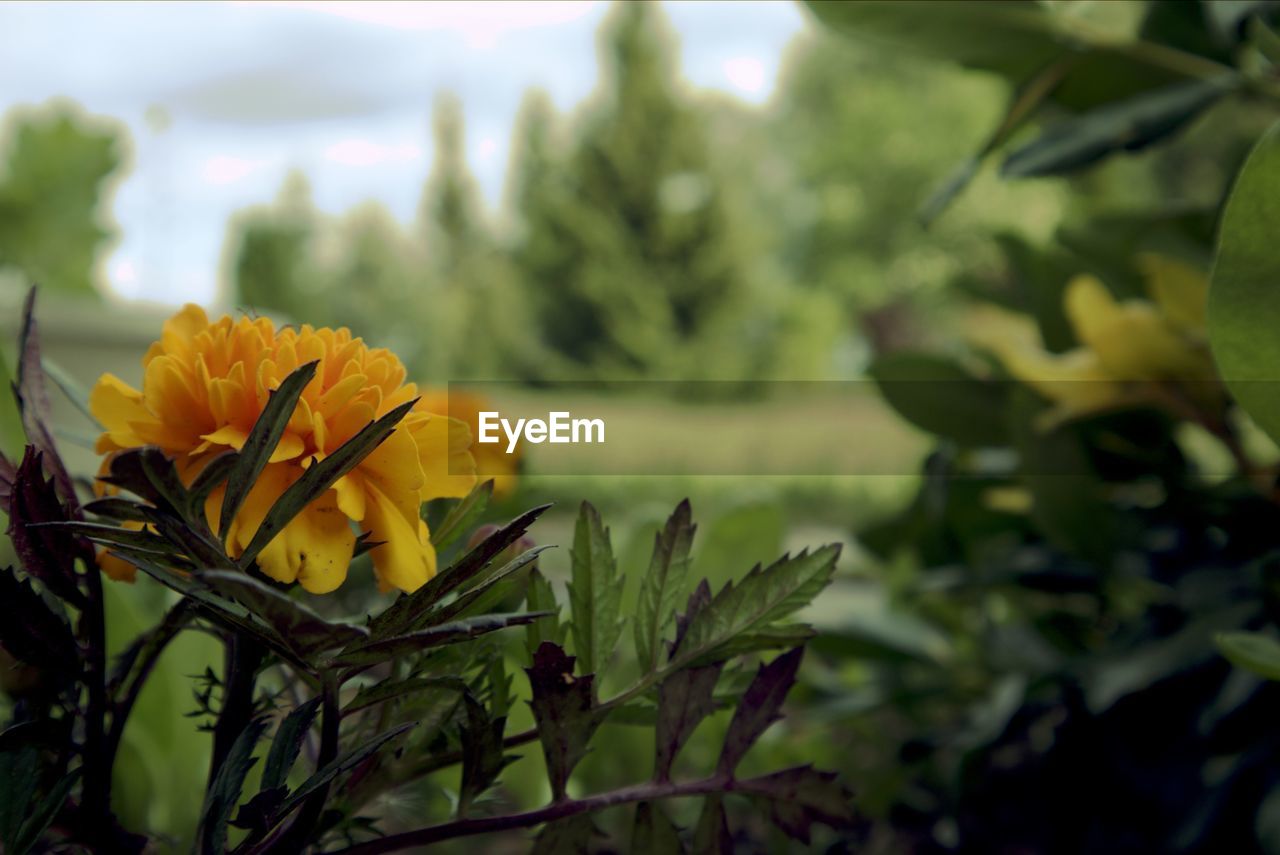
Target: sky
x=340 y=90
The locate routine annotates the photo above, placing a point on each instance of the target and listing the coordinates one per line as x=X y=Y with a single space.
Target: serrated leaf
x=33 y=402
x=409 y=610
x=305 y=630
x=662 y=585
x=711 y=836
x=595 y=592
x=540 y=597
x=570 y=836
x=686 y=697
x=342 y=764
x=488 y=593
x=381 y=650
x=389 y=690
x=19 y=774
x=462 y=515
x=764 y=596
x=48 y=552
x=224 y=791
x=261 y=443
x=482 y=756
x=653 y=833
x=760 y=707
x=564 y=710
x=801 y=796
x=1252 y=651
x=320 y=476
x=42 y=815
x=287 y=743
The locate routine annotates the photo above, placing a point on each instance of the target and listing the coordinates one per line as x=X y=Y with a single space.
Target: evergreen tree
x=450 y=209
x=628 y=246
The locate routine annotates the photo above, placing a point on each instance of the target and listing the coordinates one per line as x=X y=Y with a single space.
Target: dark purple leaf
x=684 y=698
x=47 y=552
x=33 y=402
x=760 y=707
x=7 y=473
x=564 y=712
x=801 y=796
x=30 y=630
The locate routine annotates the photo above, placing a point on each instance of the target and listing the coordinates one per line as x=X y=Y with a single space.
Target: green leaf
x=653 y=832
x=1128 y=125
x=462 y=515
x=763 y=597
x=663 y=585
x=488 y=593
x=410 y=610
x=224 y=791
x=342 y=764
x=43 y=813
x=711 y=835
x=287 y=744
x=595 y=592
x=1243 y=312
x=305 y=630
x=1252 y=651
x=540 y=597
x=569 y=836
x=320 y=476
x=383 y=649
x=940 y=397
x=482 y=756
x=262 y=442
x=389 y=690
x=19 y=774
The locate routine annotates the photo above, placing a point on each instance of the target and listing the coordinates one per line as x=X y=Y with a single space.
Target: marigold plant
x=206 y=383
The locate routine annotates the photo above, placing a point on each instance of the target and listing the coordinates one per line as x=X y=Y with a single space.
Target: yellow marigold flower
x=204 y=386
x=1126 y=349
x=492 y=460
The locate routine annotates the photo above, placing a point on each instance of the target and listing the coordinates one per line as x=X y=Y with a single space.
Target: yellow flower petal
x=405 y=558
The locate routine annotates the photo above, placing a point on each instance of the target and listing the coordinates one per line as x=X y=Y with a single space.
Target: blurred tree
x=632 y=257
x=56 y=164
x=270 y=262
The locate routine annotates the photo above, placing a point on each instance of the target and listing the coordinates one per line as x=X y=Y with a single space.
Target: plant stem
x=96 y=805
x=159 y=637
x=557 y=810
x=243 y=656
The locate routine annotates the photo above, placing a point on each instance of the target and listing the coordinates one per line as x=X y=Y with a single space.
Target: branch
x=552 y=812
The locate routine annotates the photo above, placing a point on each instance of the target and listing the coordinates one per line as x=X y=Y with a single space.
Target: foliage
x=1098 y=510
x=56 y=167
x=421 y=686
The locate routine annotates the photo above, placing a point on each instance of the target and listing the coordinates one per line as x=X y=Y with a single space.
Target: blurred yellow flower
x=1152 y=351
x=492 y=460
x=206 y=383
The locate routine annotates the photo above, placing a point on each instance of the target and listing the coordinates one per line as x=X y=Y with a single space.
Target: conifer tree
x=628 y=247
